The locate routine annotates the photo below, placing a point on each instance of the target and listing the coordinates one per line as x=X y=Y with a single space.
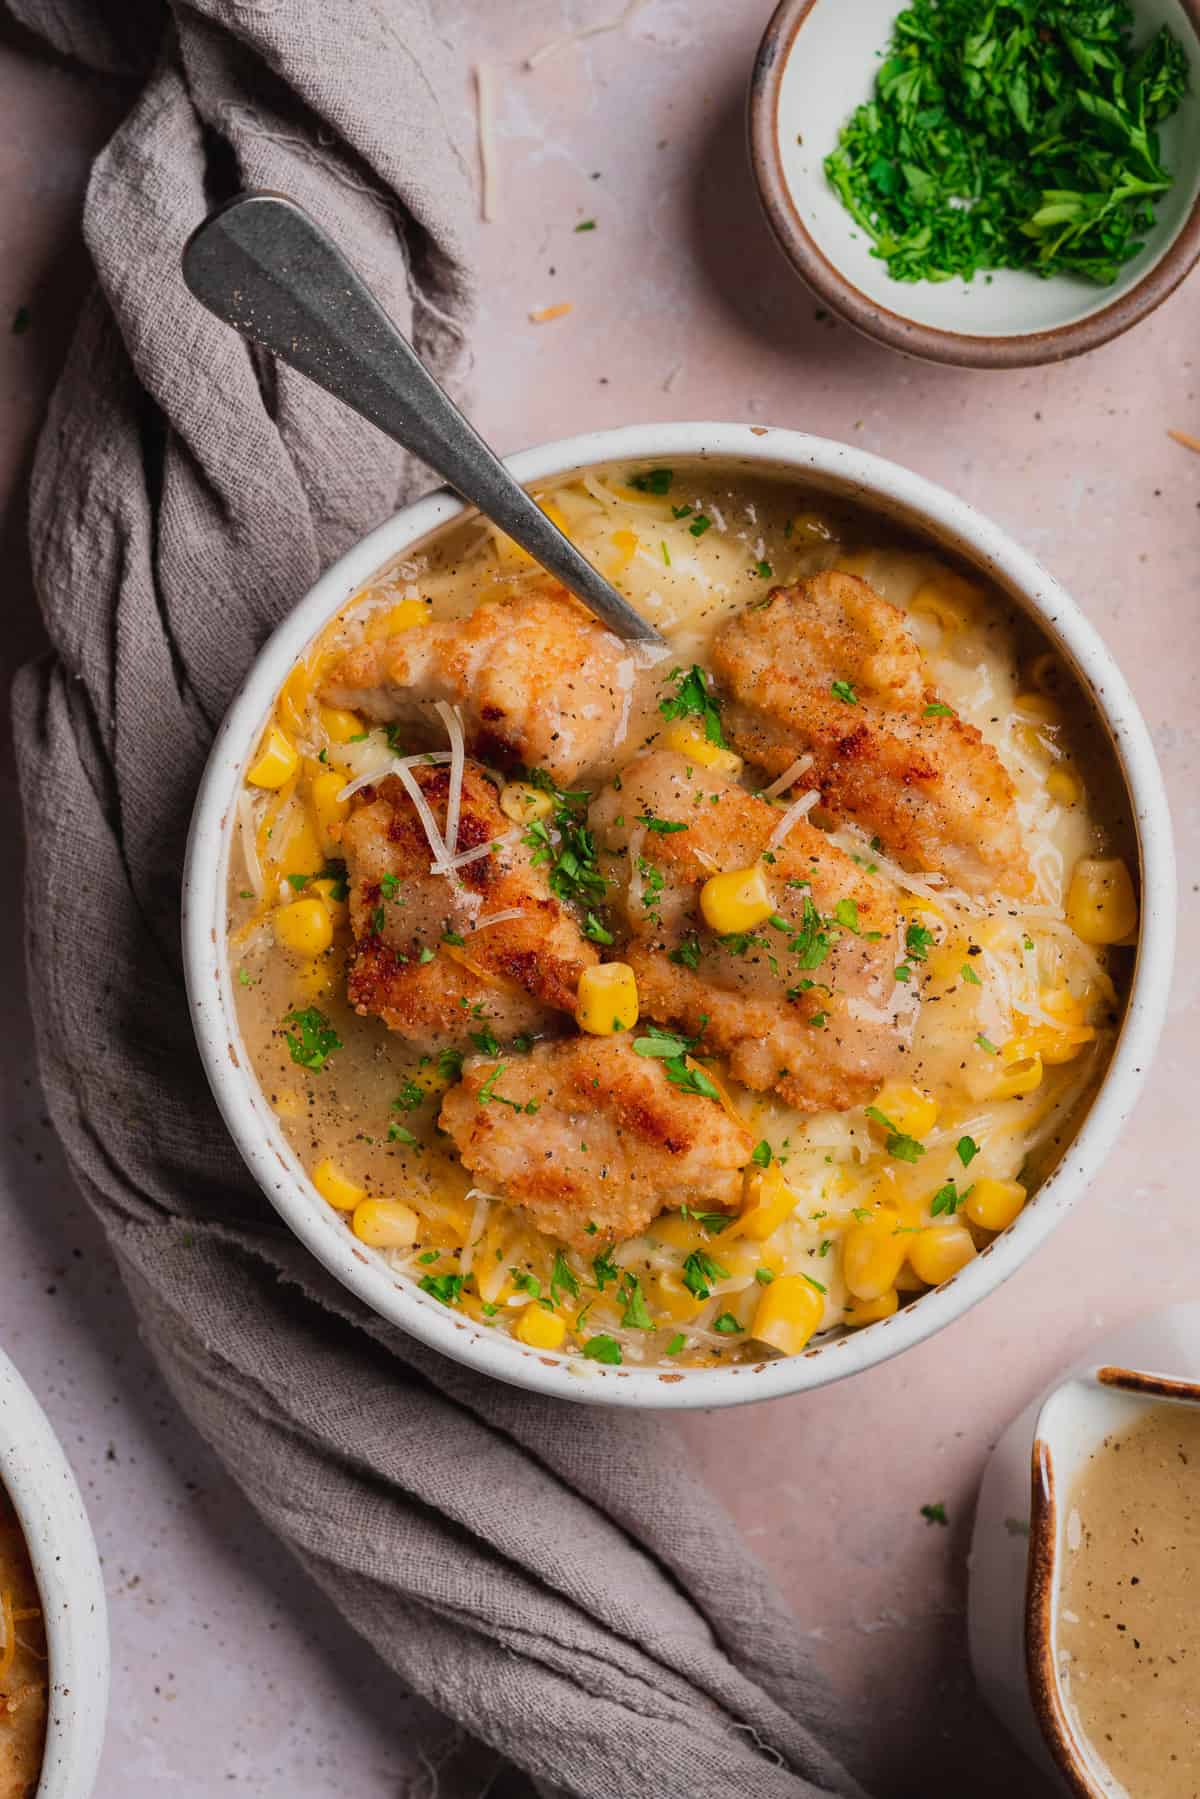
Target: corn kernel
x=1063 y=787
x=913 y=1111
x=1019 y=1072
x=788 y=1313
x=1039 y=707
x=736 y=901
x=667 y=1294
x=768 y=1201
x=808 y=528
x=678 y=1232
x=993 y=1205
x=685 y=737
x=339 y=725
x=330 y=812
x=873 y=1254
x=1060 y=1041
x=405 y=615
x=288 y=1103
x=1101 y=907
x=336 y=1187
x=626 y=544
x=949 y=599
x=304 y=927
x=523 y=803
x=940 y=1251
x=607 y=999
x=540 y=1329
x=870 y=1311
x=327 y=891
x=385 y=1224
x=277 y=763
x=511 y=552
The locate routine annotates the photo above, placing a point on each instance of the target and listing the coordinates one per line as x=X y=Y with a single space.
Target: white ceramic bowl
x=40 y=1484
x=816 y=64
x=820 y=464
x=1019 y=1544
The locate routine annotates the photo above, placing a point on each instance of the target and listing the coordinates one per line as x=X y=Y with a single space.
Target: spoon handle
x=265 y=267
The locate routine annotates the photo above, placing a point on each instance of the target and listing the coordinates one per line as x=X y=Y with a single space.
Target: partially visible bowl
x=38 y=1479
x=815 y=65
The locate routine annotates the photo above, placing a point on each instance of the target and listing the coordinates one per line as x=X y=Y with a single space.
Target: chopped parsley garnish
x=635 y=1315
x=1022 y=135
x=244 y=978
x=664 y=827
x=446 y=1287
x=903 y=972
x=605 y=1269
x=968 y=974
x=899 y=1145
x=312 y=1039
x=596 y=929
x=400 y=1133
x=454 y=937
x=484 y=1042
x=814 y=1283
x=763 y=570
x=378 y=919
x=693 y=699
x=562 y=1278
x=666 y=554
x=966 y=1149
x=389 y=886
x=918 y=942
x=672 y=1050
x=678 y=1342
x=603 y=1349
x=727 y=1324
x=947 y=1199
x=986 y=1046
x=939 y=710
x=842 y=690
x=426 y=955
x=688 y=953
x=430 y=1255
x=764 y=1276
x=653 y=480
x=761 y=1153
x=574 y=873
x=586 y=225
x=934 y=1514
x=699 y=1271
x=700 y=524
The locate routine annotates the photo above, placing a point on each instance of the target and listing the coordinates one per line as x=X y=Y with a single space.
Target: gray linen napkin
x=552 y=1585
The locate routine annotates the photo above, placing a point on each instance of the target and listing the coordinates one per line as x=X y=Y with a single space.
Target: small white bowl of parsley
x=992 y=183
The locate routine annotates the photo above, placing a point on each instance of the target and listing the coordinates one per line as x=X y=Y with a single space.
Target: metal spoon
x=266 y=268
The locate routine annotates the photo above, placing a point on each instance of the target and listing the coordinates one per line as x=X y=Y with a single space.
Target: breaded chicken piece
x=539 y=683
x=803 y=1004
x=609 y=1142
x=924 y=781
x=516 y=976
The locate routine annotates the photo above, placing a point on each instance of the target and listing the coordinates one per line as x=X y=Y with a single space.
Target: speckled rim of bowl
x=854 y=475
x=38 y=1479
x=1059 y=1731
x=961 y=349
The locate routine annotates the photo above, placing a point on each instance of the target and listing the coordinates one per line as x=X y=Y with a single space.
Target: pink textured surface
x=225 y=1668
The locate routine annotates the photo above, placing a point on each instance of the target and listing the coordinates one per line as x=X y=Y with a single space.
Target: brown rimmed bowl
x=815 y=65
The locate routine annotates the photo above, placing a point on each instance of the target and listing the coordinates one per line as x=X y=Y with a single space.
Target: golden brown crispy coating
x=926 y=783
x=426 y=959
x=611 y=1142
x=537 y=680
x=802 y=1004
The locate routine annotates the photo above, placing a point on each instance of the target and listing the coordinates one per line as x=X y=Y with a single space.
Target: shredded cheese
x=544 y=314
x=796 y=811
x=395 y=765
x=788 y=778
x=1186 y=439
x=452 y=719
x=445 y=865
x=246 y=830
x=428 y=822
x=485 y=105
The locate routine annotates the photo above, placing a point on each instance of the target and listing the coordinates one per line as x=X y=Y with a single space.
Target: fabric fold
x=553 y=1588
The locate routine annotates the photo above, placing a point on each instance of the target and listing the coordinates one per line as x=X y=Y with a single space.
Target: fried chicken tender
x=927 y=783
x=610 y=1143
x=509 y=978
x=806 y=1003
x=538 y=681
